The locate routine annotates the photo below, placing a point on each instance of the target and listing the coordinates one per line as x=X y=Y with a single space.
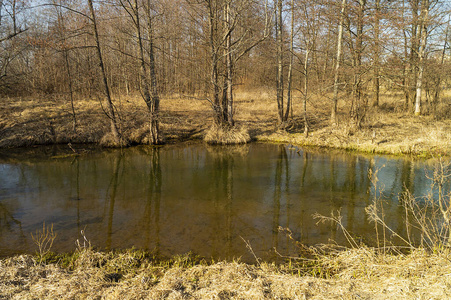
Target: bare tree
x=333 y=116
x=110 y=109
x=213 y=24
x=358 y=107
x=65 y=51
x=149 y=87
x=154 y=108
x=12 y=29
x=438 y=82
x=230 y=37
x=290 y=66
x=279 y=40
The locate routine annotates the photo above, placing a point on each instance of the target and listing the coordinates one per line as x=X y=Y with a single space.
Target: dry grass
x=224 y=135
x=108 y=141
x=387 y=129
x=43 y=121
x=354 y=274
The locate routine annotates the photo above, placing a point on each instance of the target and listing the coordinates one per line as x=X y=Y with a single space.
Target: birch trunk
x=306 y=126
x=279 y=40
x=333 y=116
x=421 y=55
x=376 y=81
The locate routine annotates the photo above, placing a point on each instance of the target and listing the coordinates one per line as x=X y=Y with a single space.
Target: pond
x=192 y=197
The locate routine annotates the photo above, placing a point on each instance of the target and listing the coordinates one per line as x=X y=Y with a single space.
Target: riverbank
x=350 y=274
x=386 y=129
x=355 y=273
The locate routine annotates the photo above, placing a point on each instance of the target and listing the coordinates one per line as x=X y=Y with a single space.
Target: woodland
x=338 y=59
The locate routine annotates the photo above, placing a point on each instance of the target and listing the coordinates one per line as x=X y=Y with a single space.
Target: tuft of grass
x=108 y=141
x=225 y=135
x=140 y=136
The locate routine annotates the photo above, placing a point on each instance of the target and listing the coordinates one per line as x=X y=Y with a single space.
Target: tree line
x=356 y=50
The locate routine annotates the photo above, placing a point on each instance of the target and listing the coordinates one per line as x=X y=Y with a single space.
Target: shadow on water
x=198 y=198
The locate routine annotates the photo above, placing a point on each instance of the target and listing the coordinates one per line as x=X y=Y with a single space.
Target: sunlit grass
x=137 y=274
x=385 y=129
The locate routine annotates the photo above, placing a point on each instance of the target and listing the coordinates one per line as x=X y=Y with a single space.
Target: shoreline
x=413 y=150
x=29 y=123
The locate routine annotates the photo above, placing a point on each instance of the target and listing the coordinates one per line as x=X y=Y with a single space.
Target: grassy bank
x=386 y=129
x=351 y=274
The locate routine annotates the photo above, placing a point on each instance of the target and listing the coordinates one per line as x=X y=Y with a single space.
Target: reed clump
x=109 y=141
x=225 y=135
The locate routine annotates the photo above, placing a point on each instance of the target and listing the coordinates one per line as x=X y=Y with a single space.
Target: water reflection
x=196 y=198
x=151 y=216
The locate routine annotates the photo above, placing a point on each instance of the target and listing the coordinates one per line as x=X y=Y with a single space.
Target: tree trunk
x=71 y=91
x=229 y=66
x=62 y=32
x=359 y=106
x=110 y=109
x=279 y=40
x=442 y=62
x=213 y=32
x=306 y=126
x=333 y=116
x=414 y=51
x=290 y=66
x=154 y=123
x=227 y=87
x=377 y=74
x=421 y=55
x=153 y=136
x=406 y=70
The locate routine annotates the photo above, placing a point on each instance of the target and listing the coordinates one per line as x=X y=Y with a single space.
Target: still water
x=198 y=198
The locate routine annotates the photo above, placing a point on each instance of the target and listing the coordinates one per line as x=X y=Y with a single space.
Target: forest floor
x=385 y=129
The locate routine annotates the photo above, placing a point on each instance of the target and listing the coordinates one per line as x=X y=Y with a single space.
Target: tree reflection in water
x=176 y=199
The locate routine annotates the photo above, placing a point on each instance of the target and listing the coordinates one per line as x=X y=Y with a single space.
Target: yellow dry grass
x=355 y=274
x=387 y=129
x=223 y=135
